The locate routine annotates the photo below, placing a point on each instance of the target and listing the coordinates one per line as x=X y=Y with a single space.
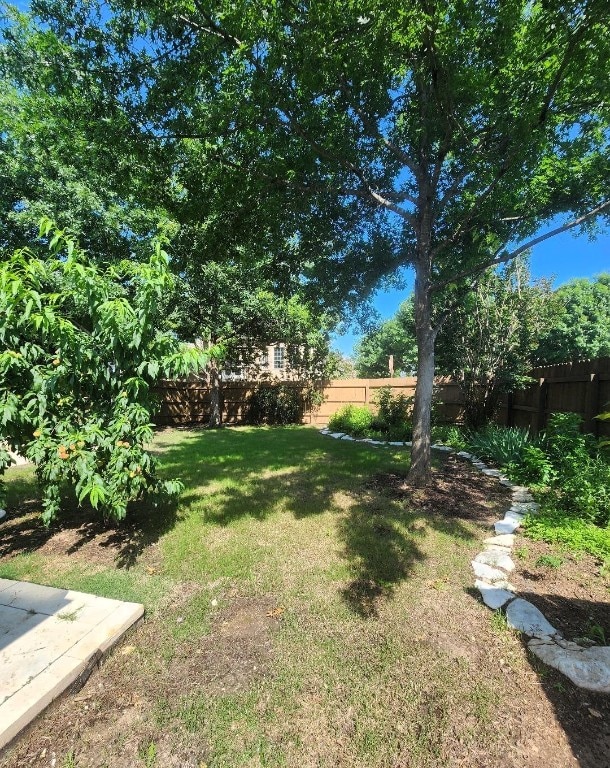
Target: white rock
x=396 y=442
x=586 y=667
x=376 y=442
x=506 y=526
x=493 y=595
x=520 y=489
x=526 y=618
x=446 y=448
x=2 y=513
x=505 y=481
x=487 y=573
x=525 y=507
x=514 y=515
x=465 y=455
x=505 y=540
x=497 y=559
x=347 y=437
x=337 y=435
x=408 y=443
x=497 y=548
x=492 y=472
x=324 y=431
x=521 y=496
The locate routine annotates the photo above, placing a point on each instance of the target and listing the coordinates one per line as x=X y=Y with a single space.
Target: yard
x=303 y=608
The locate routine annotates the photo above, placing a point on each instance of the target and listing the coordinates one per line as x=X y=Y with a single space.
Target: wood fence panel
x=582 y=387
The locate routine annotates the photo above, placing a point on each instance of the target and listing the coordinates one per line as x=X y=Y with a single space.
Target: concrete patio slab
x=48 y=638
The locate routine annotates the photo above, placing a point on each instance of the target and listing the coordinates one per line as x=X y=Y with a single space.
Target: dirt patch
x=140 y=688
x=81 y=535
x=569 y=589
x=454 y=491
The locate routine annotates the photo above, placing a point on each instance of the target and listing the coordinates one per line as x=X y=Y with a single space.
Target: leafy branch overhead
x=80 y=348
x=447 y=136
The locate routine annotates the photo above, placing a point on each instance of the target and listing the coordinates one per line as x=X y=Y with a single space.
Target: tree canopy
x=582 y=329
x=440 y=135
x=394 y=337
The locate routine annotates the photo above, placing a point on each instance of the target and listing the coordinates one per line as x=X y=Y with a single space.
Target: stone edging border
x=587 y=668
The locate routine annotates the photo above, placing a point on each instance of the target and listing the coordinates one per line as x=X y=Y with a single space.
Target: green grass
x=295 y=613
x=558 y=527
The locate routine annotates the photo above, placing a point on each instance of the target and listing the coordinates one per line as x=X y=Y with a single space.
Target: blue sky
x=562 y=257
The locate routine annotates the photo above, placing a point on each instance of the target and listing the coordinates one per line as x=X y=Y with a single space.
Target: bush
x=532 y=468
x=393 y=419
x=502 y=445
x=355 y=420
x=276 y=404
x=449 y=434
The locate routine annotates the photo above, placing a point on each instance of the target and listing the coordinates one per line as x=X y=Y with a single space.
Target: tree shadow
x=306 y=474
x=584 y=715
x=234 y=474
x=79 y=528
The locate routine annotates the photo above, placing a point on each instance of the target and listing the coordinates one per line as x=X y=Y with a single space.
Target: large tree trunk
x=215 y=419
x=419 y=473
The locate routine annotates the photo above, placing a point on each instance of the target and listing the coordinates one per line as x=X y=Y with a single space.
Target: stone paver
x=48 y=638
x=586 y=667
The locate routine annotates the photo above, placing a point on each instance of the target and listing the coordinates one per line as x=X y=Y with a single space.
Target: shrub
x=355 y=420
x=533 y=467
x=275 y=404
x=502 y=445
x=449 y=434
x=393 y=419
x=582 y=475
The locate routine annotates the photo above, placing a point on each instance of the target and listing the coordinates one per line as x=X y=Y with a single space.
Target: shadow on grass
x=23 y=531
x=235 y=474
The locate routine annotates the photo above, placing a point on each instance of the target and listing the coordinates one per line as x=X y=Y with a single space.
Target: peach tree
x=80 y=348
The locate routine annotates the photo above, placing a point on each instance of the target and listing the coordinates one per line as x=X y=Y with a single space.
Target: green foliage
x=557 y=526
x=549 y=561
x=581 y=330
x=569 y=463
x=531 y=467
x=276 y=404
x=502 y=445
x=449 y=434
x=487 y=343
x=80 y=348
x=393 y=417
x=354 y=420
x=354 y=139
x=393 y=337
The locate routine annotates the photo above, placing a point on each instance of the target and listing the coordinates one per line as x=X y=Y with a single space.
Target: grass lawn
x=302 y=609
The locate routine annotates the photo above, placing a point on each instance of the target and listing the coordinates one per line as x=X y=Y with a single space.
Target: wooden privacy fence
x=188 y=402
x=582 y=388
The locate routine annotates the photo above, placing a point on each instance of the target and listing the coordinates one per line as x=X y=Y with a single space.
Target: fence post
x=592 y=405
x=540 y=406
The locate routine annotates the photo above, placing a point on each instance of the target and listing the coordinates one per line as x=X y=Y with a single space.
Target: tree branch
x=506 y=257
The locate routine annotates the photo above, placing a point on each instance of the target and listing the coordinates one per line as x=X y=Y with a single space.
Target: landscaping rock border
x=587 y=668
